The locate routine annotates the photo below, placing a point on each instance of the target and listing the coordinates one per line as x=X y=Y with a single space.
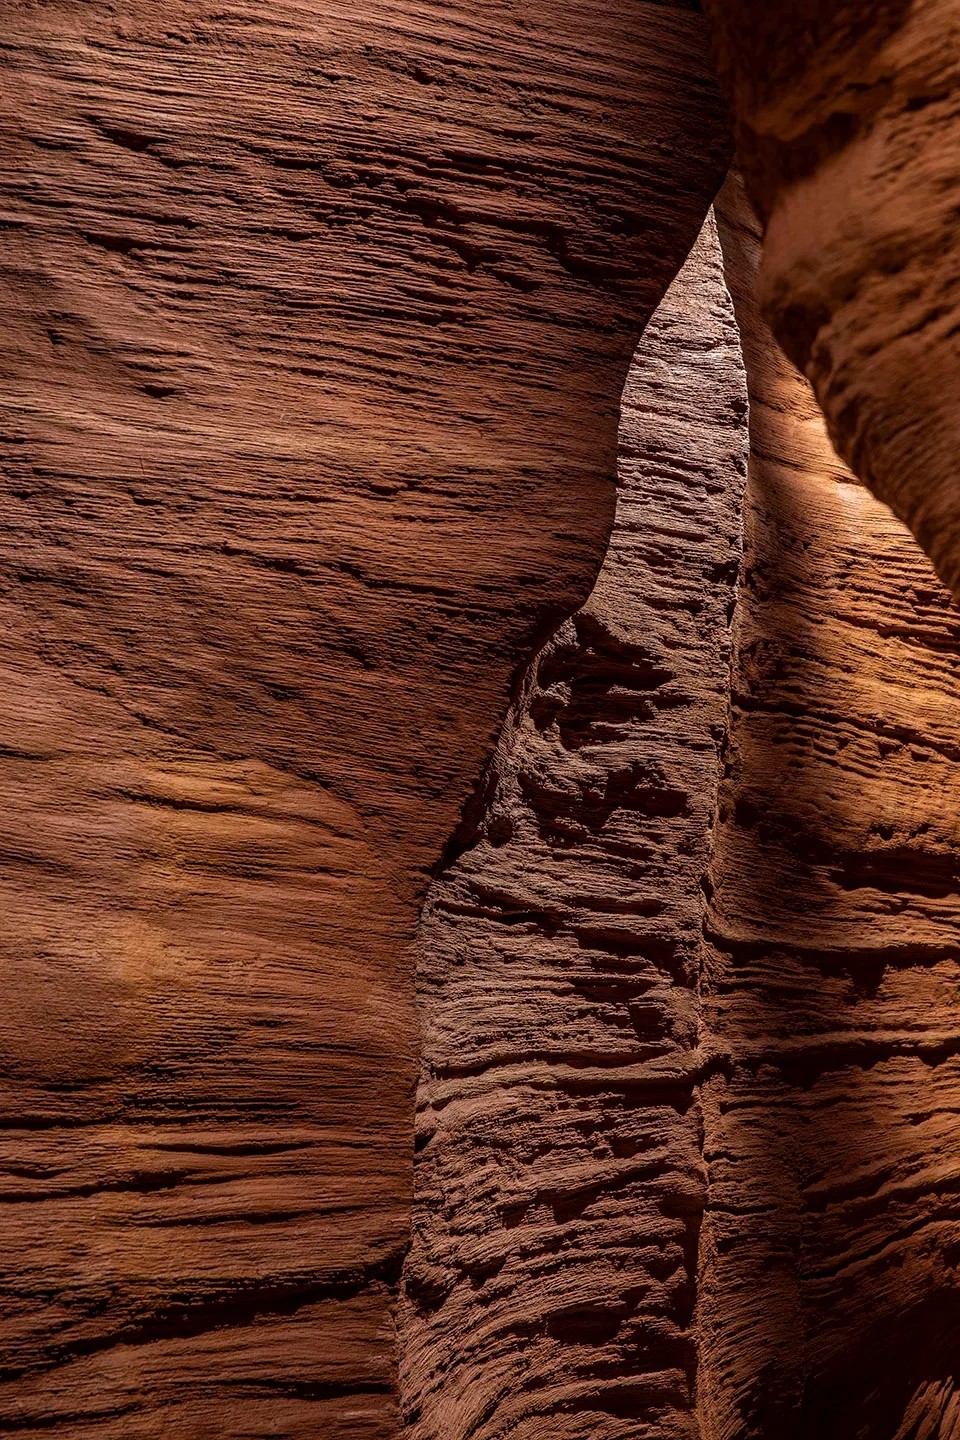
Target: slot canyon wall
x=847 y=116
x=550 y=1285
x=313 y=336
x=313 y=330
x=687 y=1151
x=829 y=1282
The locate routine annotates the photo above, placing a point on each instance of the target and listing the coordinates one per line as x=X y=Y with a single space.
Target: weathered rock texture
x=313 y=330
x=550 y=1286
x=610 y=1057
x=848 y=117
x=313 y=327
x=829 y=1303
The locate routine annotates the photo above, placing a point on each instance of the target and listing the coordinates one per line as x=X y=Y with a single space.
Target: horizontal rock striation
x=829 y=1303
x=550 y=1285
x=313 y=327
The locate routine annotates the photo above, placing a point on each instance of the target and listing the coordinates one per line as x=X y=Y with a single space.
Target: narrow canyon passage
x=314 y=322
x=687 y=1154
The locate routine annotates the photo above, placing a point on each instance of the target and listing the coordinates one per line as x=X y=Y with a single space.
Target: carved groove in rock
x=559 y=1186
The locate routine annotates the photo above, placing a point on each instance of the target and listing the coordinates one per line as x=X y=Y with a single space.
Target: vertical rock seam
x=549 y=1288
x=829 y=1304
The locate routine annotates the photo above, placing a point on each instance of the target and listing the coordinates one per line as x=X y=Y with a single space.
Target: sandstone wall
x=313 y=328
x=848 y=128
x=313 y=333
x=830 y=1295
x=551 y=1282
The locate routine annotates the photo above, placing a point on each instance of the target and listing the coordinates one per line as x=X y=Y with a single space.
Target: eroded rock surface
x=559 y=1184
x=829 y=1302
x=848 y=119
x=598 y=1072
x=313 y=334
x=313 y=327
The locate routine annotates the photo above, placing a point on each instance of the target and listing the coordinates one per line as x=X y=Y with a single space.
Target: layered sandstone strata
x=313 y=333
x=829 y=1301
x=313 y=328
x=848 y=127
x=551 y=1281
x=687 y=1155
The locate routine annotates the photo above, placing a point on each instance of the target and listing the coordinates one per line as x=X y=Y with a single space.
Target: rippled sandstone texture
x=829 y=1286
x=687 y=1146
x=848 y=129
x=687 y=1153
x=313 y=334
x=551 y=1281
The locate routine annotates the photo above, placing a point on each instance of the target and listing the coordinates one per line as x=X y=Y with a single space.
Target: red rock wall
x=313 y=330
x=688 y=1166
x=313 y=327
x=829 y=1301
x=551 y=1282
x=848 y=128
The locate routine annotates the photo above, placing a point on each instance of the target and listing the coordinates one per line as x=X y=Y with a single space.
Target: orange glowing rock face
x=313 y=334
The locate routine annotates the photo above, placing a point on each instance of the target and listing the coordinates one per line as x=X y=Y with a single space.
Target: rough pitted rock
x=550 y=1286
